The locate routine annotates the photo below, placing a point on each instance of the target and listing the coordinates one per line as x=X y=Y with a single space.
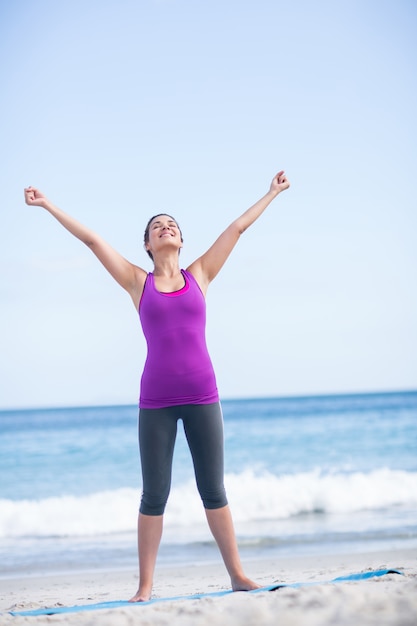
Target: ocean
x=304 y=475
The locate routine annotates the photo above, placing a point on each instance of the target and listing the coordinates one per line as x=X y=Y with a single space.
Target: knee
x=215 y=499
x=153 y=504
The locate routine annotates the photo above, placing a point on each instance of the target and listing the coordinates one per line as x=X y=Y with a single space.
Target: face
x=162 y=229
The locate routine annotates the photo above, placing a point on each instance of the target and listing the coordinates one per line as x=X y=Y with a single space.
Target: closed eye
x=160 y=224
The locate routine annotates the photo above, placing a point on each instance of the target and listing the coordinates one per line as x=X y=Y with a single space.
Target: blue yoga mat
x=216 y=594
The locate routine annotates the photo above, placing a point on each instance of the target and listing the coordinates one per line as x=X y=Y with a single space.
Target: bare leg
x=221 y=525
x=149 y=538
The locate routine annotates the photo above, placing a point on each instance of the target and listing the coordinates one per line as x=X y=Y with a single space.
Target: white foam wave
x=252 y=497
x=271 y=497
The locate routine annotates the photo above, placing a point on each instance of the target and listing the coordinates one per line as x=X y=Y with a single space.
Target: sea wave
x=253 y=497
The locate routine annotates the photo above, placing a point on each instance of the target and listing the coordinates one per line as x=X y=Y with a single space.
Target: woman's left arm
x=206 y=267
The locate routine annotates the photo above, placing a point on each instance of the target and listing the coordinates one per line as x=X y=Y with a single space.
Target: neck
x=166 y=266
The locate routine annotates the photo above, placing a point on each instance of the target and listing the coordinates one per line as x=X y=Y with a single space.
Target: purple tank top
x=178 y=369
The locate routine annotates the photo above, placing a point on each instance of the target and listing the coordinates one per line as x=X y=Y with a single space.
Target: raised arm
x=129 y=276
x=206 y=267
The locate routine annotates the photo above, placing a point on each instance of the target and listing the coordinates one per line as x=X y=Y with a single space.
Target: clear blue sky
x=118 y=110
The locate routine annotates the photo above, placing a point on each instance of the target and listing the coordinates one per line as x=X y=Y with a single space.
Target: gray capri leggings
x=203 y=426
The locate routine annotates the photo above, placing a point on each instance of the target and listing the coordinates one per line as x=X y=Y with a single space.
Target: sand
x=389 y=600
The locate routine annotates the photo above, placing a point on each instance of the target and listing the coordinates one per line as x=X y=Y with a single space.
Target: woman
x=178 y=380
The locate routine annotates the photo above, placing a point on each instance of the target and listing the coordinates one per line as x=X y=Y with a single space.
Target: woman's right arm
x=129 y=276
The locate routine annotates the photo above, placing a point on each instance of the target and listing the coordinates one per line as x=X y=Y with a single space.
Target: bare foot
x=142 y=595
x=244 y=584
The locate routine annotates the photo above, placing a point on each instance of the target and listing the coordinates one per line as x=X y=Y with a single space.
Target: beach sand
x=388 y=600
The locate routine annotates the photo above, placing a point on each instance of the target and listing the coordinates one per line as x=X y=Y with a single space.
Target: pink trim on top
x=172 y=294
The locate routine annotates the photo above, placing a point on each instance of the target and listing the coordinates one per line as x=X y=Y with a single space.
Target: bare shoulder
x=197 y=271
x=140 y=273
x=138 y=285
